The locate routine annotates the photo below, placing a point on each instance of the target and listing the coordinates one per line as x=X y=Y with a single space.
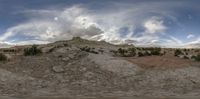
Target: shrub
x=114 y=51
x=88 y=49
x=147 y=53
x=155 y=51
x=76 y=38
x=185 y=57
x=193 y=57
x=164 y=53
x=94 y=52
x=121 y=51
x=101 y=50
x=9 y=50
x=138 y=48
x=51 y=50
x=132 y=51
x=3 y=57
x=32 y=51
x=140 y=54
x=177 y=52
x=197 y=58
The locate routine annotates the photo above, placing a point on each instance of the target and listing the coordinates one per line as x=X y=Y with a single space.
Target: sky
x=162 y=23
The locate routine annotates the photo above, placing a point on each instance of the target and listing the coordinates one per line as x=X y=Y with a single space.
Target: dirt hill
x=80 y=67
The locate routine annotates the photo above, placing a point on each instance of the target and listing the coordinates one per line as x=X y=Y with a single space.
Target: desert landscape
x=99 y=49
x=83 y=68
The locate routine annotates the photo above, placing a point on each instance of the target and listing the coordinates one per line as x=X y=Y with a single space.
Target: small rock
x=58 y=69
x=66 y=59
x=83 y=69
x=71 y=56
x=89 y=75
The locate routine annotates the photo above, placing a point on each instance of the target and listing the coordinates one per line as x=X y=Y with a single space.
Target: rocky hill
x=80 y=67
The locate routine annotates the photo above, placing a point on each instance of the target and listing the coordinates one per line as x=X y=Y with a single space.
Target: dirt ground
x=69 y=72
x=161 y=62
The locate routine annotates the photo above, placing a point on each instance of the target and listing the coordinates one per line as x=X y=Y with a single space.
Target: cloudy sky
x=165 y=23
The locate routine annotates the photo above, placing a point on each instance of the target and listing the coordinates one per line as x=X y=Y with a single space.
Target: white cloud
x=52 y=25
x=176 y=40
x=68 y=23
x=190 y=36
x=154 y=25
x=72 y=21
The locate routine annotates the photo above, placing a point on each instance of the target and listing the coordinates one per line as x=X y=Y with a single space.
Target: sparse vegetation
x=3 y=57
x=197 y=58
x=121 y=51
x=52 y=49
x=193 y=57
x=88 y=49
x=185 y=57
x=178 y=52
x=32 y=51
x=140 y=54
x=9 y=50
x=130 y=52
x=147 y=53
x=155 y=51
x=101 y=50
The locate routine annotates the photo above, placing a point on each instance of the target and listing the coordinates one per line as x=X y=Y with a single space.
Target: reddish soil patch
x=161 y=62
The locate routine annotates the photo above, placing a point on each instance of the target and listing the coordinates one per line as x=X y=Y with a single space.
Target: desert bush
x=185 y=50
x=140 y=54
x=3 y=57
x=178 y=52
x=9 y=50
x=186 y=53
x=132 y=51
x=122 y=51
x=114 y=52
x=138 y=48
x=147 y=53
x=76 y=38
x=88 y=49
x=51 y=49
x=155 y=51
x=197 y=58
x=185 y=57
x=94 y=52
x=193 y=57
x=32 y=51
x=164 y=53
x=101 y=50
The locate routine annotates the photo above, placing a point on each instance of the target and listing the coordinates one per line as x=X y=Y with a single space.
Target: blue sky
x=166 y=23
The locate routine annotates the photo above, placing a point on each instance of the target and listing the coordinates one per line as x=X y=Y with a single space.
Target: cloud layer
x=124 y=23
